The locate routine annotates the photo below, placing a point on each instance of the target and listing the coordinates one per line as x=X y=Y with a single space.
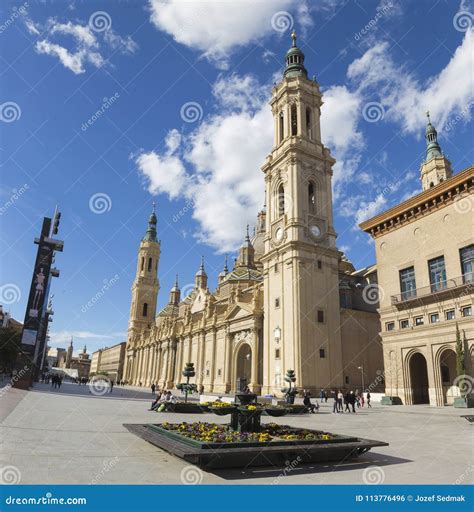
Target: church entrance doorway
x=419 y=379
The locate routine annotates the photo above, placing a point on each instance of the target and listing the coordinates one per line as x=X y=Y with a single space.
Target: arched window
x=281 y=126
x=281 y=200
x=294 y=120
x=309 y=130
x=150 y=263
x=143 y=263
x=145 y=309
x=311 y=198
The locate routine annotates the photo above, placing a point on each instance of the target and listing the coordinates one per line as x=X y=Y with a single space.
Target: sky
x=108 y=106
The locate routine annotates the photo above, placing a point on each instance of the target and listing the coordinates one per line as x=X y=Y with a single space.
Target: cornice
x=421 y=204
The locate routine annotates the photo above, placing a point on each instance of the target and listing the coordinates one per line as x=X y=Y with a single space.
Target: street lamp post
x=361 y=368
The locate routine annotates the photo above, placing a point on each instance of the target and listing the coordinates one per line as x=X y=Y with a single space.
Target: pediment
x=239 y=310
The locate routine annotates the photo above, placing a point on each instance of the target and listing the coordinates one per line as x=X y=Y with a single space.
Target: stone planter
x=464 y=402
x=391 y=400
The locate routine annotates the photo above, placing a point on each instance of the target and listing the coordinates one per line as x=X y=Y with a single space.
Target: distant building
x=110 y=360
x=425 y=265
x=82 y=363
x=6 y=321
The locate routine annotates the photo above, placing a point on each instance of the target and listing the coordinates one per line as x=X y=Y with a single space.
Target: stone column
x=254 y=384
x=213 y=361
x=228 y=362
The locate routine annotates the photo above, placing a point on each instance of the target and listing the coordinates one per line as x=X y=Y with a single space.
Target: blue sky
x=182 y=89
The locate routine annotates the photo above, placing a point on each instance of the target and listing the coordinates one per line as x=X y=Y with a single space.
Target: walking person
x=153 y=387
x=352 y=400
x=335 y=406
x=347 y=398
x=340 y=398
x=111 y=386
x=368 y=399
x=362 y=399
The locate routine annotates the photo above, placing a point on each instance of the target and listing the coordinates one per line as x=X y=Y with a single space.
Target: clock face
x=315 y=231
x=279 y=234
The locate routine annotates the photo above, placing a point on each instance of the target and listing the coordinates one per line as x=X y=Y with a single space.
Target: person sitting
x=156 y=403
x=310 y=406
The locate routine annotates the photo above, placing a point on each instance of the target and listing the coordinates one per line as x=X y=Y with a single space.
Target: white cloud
x=377 y=76
x=58 y=337
x=165 y=174
x=85 y=46
x=223 y=156
x=217 y=27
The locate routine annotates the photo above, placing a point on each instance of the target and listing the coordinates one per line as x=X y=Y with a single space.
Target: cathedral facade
x=291 y=301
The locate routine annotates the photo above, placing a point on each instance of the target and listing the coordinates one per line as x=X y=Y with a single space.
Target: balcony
x=451 y=288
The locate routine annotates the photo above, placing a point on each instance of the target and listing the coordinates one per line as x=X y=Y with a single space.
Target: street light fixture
x=361 y=368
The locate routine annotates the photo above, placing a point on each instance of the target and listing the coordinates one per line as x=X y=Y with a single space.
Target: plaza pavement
x=73 y=437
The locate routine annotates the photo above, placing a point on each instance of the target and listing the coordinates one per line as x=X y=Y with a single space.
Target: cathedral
x=291 y=300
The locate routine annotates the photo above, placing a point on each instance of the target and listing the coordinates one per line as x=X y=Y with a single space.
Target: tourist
x=111 y=386
x=335 y=405
x=352 y=400
x=340 y=398
x=153 y=387
x=362 y=399
x=307 y=402
x=347 y=398
x=368 y=399
x=156 y=402
x=246 y=390
x=321 y=395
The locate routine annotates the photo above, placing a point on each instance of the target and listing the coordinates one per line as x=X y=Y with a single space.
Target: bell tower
x=302 y=318
x=146 y=286
x=436 y=168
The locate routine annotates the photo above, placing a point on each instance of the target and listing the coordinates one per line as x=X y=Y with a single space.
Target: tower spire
x=150 y=235
x=295 y=60
x=433 y=148
x=436 y=168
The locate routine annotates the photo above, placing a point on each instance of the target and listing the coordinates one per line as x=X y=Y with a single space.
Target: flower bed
x=212 y=433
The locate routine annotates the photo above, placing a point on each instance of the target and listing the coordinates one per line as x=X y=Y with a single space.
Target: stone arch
x=445 y=374
x=242 y=365
x=417 y=376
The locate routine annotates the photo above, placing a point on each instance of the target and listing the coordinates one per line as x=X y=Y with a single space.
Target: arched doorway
x=419 y=379
x=447 y=363
x=244 y=367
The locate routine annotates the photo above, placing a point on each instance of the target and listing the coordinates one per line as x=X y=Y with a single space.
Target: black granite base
x=236 y=455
